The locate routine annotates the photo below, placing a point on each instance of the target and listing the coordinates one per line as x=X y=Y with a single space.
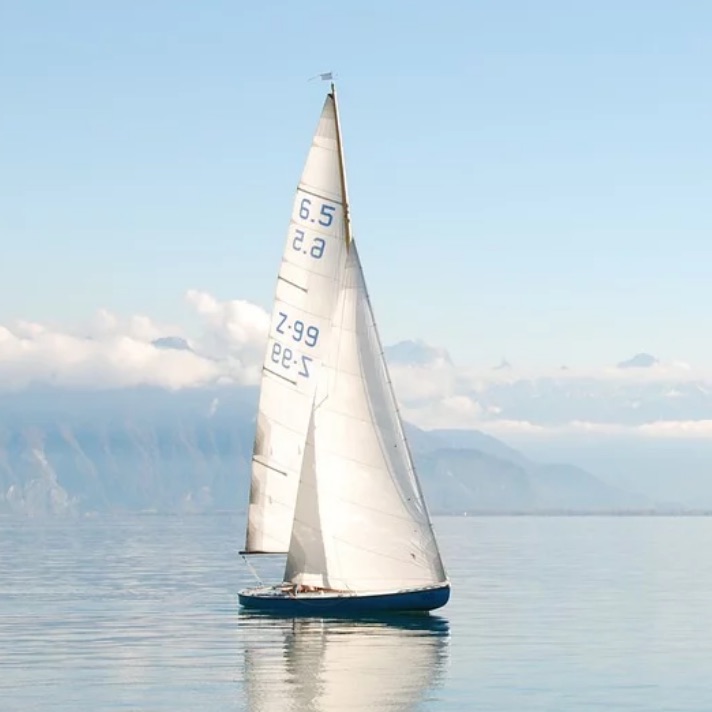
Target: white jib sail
x=361 y=522
x=311 y=268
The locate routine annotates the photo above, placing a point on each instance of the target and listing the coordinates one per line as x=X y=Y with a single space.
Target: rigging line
x=346 y=208
x=252 y=570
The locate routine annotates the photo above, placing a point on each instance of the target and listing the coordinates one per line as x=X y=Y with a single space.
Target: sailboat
x=333 y=484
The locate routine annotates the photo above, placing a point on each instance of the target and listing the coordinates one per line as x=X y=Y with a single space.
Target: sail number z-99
x=288 y=359
x=298 y=330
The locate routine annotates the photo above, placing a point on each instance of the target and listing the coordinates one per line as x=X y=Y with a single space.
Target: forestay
x=361 y=523
x=312 y=263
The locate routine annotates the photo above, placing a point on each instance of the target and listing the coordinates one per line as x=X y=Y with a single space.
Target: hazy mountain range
x=138 y=449
x=634 y=392
x=640 y=424
x=85 y=424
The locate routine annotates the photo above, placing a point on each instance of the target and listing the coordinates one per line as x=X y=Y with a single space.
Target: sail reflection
x=319 y=665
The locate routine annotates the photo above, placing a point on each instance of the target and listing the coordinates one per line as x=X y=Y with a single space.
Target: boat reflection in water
x=315 y=664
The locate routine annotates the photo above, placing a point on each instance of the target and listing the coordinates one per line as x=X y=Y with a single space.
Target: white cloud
x=112 y=351
x=674 y=371
x=692 y=429
x=450 y=412
x=670 y=400
x=138 y=327
x=439 y=417
x=663 y=401
x=231 y=327
x=113 y=361
x=418 y=383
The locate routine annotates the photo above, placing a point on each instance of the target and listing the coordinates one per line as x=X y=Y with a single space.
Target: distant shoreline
x=582 y=513
x=480 y=514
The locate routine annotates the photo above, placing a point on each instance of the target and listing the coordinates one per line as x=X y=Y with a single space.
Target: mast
x=342 y=170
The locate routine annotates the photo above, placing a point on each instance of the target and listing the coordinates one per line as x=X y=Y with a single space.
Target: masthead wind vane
x=325 y=77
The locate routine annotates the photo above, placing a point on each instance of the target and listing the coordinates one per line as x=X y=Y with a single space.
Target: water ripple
x=139 y=613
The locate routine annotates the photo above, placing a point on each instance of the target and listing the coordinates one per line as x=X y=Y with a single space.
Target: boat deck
x=282 y=599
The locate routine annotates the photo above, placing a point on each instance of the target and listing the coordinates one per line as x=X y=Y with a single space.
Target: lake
x=547 y=613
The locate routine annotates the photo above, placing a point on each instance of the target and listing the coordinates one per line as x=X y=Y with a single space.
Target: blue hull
x=413 y=601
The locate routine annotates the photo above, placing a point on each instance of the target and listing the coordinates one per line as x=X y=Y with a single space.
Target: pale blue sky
x=529 y=179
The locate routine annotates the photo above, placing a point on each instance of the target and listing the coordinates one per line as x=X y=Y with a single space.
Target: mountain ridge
x=146 y=448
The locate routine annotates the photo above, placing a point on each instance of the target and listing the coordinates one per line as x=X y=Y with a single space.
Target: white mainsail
x=311 y=269
x=360 y=523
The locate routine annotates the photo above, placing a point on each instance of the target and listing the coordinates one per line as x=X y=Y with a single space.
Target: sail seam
x=281 y=503
x=361 y=463
x=296 y=263
x=375 y=510
x=278 y=375
x=293 y=284
x=269 y=467
x=285 y=426
x=304 y=310
x=316 y=195
x=360 y=505
x=382 y=554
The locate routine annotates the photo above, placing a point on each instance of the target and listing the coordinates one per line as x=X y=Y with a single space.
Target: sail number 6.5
x=325 y=214
x=319 y=215
x=315 y=249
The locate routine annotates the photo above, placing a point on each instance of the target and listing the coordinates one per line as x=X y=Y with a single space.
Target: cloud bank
x=667 y=402
x=656 y=400
x=113 y=352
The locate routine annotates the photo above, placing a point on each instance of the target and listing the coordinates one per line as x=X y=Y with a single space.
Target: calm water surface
x=139 y=613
